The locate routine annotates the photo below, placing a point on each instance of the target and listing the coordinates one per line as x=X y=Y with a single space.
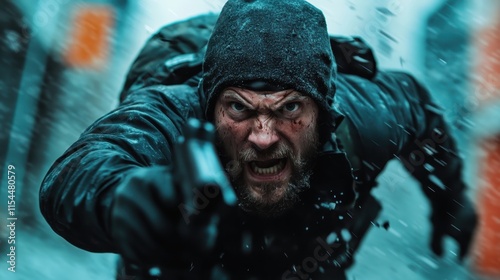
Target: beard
x=267 y=204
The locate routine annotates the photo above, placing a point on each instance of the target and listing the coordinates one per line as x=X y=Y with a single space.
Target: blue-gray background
x=45 y=105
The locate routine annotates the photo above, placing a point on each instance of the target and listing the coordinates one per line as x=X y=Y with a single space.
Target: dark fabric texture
x=173 y=41
x=353 y=56
x=282 y=43
x=391 y=116
x=78 y=191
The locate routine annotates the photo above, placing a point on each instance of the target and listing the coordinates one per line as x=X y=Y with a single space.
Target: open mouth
x=266 y=179
x=268 y=167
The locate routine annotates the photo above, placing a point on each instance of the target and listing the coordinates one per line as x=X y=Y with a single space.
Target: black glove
x=457 y=219
x=147 y=223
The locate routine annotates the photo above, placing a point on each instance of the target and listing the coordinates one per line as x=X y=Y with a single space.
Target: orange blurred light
x=488 y=64
x=487 y=244
x=89 y=36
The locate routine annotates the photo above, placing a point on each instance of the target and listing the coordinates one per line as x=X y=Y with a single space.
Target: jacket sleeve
x=433 y=159
x=77 y=193
x=385 y=114
x=394 y=116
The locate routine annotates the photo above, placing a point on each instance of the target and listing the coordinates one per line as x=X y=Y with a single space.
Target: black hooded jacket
x=385 y=117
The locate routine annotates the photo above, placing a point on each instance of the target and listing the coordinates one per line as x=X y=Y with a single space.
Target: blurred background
x=63 y=64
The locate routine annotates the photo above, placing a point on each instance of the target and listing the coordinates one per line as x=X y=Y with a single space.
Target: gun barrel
x=197 y=164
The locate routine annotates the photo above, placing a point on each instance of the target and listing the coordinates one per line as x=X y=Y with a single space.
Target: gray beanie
x=271 y=45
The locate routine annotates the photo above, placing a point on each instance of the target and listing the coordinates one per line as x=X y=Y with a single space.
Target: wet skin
x=268 y=137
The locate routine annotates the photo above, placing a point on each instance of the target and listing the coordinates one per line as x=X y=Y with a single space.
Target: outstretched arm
x=432 y=158
x=394 y=115
x=77 y=194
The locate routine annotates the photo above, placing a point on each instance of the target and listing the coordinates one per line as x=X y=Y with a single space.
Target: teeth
x=268 y=170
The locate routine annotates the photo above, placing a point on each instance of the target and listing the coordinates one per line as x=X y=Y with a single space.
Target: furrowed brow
x=291 y=98
x=232 y=95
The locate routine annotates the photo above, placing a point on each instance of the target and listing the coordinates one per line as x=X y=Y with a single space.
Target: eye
x=237 y=107
x=291 y=107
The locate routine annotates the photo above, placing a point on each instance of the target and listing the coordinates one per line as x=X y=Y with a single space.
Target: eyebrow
x=230 y=94
x=290 y=97
x=295 y=97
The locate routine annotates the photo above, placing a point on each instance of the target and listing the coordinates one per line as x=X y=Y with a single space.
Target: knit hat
x=270 y=45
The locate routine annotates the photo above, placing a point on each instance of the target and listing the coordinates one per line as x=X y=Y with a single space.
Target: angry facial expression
x=268 y=141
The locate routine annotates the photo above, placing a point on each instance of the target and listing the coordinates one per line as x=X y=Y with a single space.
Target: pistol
x=197 y=167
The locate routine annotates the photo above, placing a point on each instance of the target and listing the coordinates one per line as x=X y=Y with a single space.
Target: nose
x=263 y=134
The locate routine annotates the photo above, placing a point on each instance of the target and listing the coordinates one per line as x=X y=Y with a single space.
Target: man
x=283 y=119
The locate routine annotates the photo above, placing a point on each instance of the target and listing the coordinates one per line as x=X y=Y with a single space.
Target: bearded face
x=268 y=142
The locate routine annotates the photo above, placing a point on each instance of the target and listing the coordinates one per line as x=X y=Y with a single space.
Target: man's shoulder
x=181 y=99
x=386 y=112
x=391 y=94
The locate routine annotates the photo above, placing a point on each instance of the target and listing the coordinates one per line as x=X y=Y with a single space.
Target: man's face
x=268 y=141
